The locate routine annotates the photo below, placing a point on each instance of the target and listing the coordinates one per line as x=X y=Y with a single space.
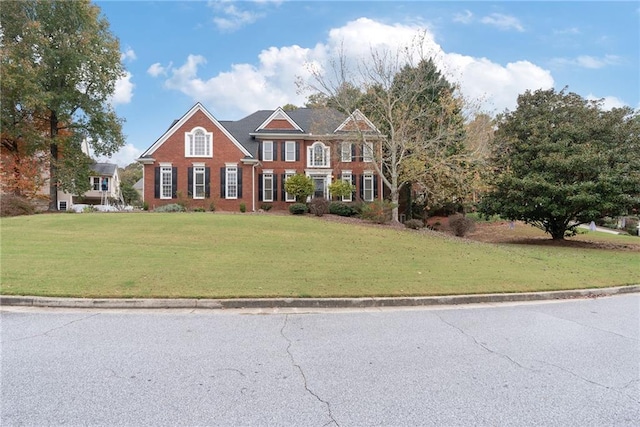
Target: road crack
x=304 y=377
x=46 y=333
x=484 y=346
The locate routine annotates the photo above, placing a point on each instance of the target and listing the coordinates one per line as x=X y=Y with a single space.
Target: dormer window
x=318 y=155
x=198 y=143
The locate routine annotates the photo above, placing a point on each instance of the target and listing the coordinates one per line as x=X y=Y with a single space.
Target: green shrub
x=199 y=209
x=243 y=207
x=378 y=211
x=415 y=224
x=89 y=209
x=341 y=208
x=319 y=206
x=145 y=206
x=299 y=185
x=212 y=206
x=356 y=207
x=12 y=205
x=172 y=207
x=298 y=209
x=340 y=188
x=266 y=207
x=461 y=225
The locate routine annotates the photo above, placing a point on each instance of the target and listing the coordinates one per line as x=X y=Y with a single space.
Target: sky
x=236 y=57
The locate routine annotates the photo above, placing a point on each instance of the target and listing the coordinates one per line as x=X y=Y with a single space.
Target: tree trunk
x=53 y=160
x=394 y=200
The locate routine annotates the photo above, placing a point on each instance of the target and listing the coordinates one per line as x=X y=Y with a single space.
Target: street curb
x=192 y=303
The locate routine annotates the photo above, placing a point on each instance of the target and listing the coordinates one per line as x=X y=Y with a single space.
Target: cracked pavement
x=547 y=363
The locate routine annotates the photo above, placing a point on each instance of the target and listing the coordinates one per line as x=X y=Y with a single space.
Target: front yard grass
x=205 y=255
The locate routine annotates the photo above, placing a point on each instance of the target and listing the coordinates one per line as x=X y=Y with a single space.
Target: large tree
x=59 y=66
x=562 y=161
x=413 y=106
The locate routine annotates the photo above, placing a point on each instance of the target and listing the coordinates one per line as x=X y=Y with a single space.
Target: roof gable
x=178 y=123
x=357 y=121
x=279 y=120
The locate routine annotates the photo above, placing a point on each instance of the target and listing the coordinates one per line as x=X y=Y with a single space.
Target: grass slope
x=204 y=255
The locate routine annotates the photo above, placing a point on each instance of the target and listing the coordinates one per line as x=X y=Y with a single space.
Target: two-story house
x=249 y=160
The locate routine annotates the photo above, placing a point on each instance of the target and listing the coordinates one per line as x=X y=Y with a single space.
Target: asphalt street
x=561 y=363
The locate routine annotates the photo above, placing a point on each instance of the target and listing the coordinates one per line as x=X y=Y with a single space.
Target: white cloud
x=123 y=90
x=608 y=102
x=128 y=55
x=587 y=61
x=270 y=82
x=503 y=22
x=156 y=69
x=125 y=156
x=465 y=17
x=230 y=17
x=572 y=30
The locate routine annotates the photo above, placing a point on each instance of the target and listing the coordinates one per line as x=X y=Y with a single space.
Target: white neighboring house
x=105 y=189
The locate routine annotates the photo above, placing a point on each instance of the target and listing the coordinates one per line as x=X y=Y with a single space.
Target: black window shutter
x=283 y=178
x=362 y=187
x=275 y=187
x=239 y=183
x=190 y=182
x=353 y=152
x=223 y=176
x=174 y=183
x=375 y=186
x=353 y=182
x=260 y=150
x=207 y=182
x=156 y=183
x=260 y=187
x=284 y=151
x=274 y=147
x=297 y=151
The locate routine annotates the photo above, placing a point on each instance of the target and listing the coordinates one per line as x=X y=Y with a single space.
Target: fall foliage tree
x=414 y=107
x=59 y=65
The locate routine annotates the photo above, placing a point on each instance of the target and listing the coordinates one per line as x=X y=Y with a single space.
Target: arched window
x=198 y=143
x=318 y=155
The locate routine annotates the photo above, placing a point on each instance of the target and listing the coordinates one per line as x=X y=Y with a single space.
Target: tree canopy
x=561 y=161
x=59 y=66
x=414 y=107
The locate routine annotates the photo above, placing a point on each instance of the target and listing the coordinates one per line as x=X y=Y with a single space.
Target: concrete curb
x=192 y=303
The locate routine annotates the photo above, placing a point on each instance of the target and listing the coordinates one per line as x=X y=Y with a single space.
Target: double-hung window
x=367 y=152
x=198 y=143
x=267 y=187
x=345 y=151
x=198 y=182
x=232 y=182
x=367 y=188
x=165 y=182
x=289 y=197
x=346 y=177
x=290 y=151
x=95 y=183
x=267 y=151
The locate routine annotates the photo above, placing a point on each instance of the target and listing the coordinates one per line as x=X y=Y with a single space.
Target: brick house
x=227 y=163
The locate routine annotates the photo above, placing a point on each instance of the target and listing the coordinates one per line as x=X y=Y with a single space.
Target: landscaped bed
x=207 y=255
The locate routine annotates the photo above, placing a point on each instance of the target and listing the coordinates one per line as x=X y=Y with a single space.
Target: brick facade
x=242 y=144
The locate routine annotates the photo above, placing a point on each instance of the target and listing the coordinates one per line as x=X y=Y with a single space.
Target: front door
x=319 y=186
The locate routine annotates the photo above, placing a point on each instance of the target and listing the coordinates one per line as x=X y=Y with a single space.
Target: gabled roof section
x=178 y=123
x=279 y=120
x=357 y=121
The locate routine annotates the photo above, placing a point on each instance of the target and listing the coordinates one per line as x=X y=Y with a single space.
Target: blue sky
x=236 y=57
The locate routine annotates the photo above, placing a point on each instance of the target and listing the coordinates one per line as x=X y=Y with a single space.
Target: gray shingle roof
x=104 y=169
x=311 y=120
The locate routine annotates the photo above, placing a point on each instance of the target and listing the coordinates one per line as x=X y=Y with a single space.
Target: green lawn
x=204 y=255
